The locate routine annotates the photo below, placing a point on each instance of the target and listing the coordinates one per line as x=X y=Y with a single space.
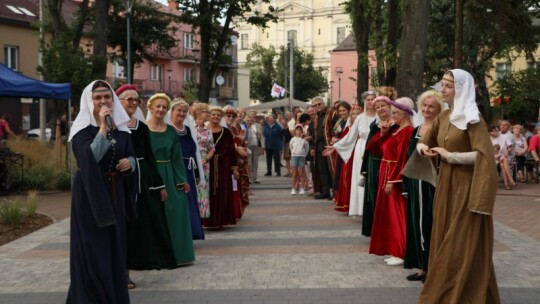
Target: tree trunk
x=361 y=34
x=458 y=36
x=410 y=68
x=99 y=64
x=392 y=40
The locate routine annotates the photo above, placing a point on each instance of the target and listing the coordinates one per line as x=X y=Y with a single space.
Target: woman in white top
x=355 y=141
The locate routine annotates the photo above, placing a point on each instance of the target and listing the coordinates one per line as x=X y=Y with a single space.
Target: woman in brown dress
x=460 y=263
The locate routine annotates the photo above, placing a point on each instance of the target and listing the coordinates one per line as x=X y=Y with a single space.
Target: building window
x=340 y=34
x=156 y=72
x=189 y=75
x=11 y=57
x=245 y=41
x=503 y=69
x=532 y=65
x=118 y=70
x=188 y=40
x=291 y=35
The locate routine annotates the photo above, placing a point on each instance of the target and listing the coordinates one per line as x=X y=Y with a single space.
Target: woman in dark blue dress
x=101 y=199
x=179 y=114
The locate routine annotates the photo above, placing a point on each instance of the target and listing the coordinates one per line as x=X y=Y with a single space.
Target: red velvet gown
x=388 y=235
x=343 y=194
x=221 y=194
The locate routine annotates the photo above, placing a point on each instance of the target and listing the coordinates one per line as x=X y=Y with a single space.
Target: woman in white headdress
x=460 y=262
x=101 y=199
x=352 y=146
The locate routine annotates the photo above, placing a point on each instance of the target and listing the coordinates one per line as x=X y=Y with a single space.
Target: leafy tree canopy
x=518 y=96
x=268 y=66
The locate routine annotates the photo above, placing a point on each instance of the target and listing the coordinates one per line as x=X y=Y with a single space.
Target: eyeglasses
x=229 y=115
x=132 y=99
x=100 y=97
x=396 y=112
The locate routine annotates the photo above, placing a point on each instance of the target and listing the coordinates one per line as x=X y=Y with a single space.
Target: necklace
x=179 y=131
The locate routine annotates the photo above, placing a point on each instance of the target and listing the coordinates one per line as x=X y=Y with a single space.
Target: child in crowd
x=299 y=150
x=502 y=162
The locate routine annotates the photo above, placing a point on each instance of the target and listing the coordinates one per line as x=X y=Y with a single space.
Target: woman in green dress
x=168 y=154
x=149 y=244
x=420 y=195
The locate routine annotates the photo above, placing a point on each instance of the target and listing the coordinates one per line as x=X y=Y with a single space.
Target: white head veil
x=86 y=114
x=464 y=110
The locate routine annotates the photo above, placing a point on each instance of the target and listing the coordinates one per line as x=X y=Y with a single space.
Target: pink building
x=167 y=73
x=343 y=72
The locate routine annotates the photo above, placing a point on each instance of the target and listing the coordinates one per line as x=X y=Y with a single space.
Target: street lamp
x=331 y=85
x=169 y=71
x=129 y=5
x=339 y=71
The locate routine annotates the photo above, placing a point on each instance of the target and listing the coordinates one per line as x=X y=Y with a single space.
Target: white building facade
x=316 y=26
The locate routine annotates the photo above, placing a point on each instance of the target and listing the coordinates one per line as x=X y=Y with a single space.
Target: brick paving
x=286 y=249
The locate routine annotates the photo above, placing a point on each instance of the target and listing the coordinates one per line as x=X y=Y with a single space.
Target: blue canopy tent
x=18 y=85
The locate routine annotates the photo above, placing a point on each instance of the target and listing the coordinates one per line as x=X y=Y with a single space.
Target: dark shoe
x=256 y=182
x=278 y=174
x=268 y=174
x=322 y=196
x=416 y=277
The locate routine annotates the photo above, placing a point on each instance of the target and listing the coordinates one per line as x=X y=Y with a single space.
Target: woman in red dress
x=222 y=166
x=388 y=232
x=343 y=193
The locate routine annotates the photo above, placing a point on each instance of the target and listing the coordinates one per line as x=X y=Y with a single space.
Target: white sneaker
x=302 y=191
x=395 y=262
x=293 y=191
x=388 y=259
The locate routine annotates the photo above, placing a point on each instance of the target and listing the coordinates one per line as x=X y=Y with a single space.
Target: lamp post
x=169 y=71
x=339 y=71
x=129 y=5
x=331 y=86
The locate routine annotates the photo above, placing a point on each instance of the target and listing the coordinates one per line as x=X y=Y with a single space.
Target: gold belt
x=163 y=161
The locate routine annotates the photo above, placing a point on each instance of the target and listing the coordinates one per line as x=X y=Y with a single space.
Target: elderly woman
x=179 y=112
x=201 y=114
x=100 y=198
x=168 y=154
x=372 y=162
x=388 y=234
x=461 y=252
x=148 y=243
x=420 y=195
x=521 y=148
x=239 y=135
x=222 y=166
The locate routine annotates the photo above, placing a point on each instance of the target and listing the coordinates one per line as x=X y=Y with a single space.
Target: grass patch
x=32 y=202
x=11 y=213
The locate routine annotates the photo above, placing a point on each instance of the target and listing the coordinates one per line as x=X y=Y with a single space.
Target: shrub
x=11 y=213
x=32 y=202
x=63 y=181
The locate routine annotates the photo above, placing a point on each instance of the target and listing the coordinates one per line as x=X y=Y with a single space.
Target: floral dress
x=206 y=145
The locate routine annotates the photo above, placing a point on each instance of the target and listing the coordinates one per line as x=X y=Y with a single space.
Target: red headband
x=125 y=87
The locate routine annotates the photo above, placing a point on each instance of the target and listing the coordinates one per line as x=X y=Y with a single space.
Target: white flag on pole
x=277 y=91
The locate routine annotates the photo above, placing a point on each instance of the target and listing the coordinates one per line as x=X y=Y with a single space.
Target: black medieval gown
x=99 y=206
x=149 y=244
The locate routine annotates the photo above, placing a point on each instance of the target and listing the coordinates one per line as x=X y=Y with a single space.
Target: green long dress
x=149 y=244
x=170 y=163
x=419 y=215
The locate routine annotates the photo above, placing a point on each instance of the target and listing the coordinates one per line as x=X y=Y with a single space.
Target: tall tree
x=100 y=35
x=205 y=17
x=362 y=14
x=410 y=67
x=517 y=96
x=152 y=32
x=266 y=68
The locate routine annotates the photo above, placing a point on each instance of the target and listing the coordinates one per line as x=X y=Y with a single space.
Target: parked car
x=35 y=133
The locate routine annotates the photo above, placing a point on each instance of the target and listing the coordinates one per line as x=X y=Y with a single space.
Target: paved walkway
x=286 y=249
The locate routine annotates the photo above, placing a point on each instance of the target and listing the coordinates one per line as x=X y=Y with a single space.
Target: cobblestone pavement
x=286 y=249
